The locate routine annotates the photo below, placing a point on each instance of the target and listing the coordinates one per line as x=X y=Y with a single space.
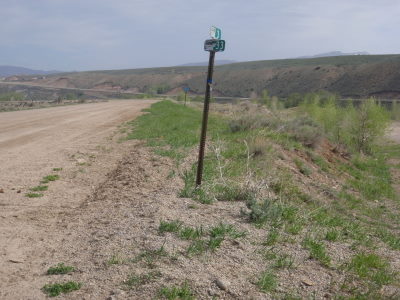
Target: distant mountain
x=6 y=71
x=217 y=63
x=335 y=53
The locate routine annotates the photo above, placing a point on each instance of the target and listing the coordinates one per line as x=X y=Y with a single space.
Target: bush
x=305 y=131
x=357 y=128
x=293 y=100
x=249 y=121
x=368 y=125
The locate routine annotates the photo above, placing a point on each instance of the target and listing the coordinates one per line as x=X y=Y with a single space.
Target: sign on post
x=186 y=89
x=214 y=45
x=215 y=33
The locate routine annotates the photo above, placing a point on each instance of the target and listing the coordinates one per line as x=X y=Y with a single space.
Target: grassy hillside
x=348 y=76
x=284 y=212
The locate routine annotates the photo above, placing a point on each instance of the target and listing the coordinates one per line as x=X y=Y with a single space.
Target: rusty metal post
x=205 y=118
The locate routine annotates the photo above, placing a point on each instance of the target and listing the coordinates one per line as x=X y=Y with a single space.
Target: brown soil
x=394 y=132
x=79 y=139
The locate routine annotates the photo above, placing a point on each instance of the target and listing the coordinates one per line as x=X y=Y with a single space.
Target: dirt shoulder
x=394 y=132
x=82 y=142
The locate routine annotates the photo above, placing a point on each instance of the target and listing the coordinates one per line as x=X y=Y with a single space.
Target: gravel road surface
x=80 y=139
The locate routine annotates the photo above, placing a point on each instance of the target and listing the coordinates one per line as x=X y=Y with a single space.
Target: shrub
x=258 y=146
x=232 y=192
x=368 y=125
x=357 y=128
x=305 y=131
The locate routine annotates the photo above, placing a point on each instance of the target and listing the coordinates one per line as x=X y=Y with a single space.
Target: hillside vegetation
x=288 y=209
x=356 y=76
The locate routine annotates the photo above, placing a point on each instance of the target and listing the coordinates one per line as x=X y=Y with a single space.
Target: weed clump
x=33 y=195
x=269 y=210
x=39 y=188
x=317 y=251
x=56 y=289
x=48 y=178
x=60 y=269
x=267 y=282
x=182 y=292
x=134 y=280
x=372 y=267
x=172 y=226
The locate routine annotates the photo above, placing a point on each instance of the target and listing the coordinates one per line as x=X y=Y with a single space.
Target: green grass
x=57 y=169
x=191 y=233
x=332 y=235
x=302 y=167
x=48 y=178
x=39 y=188
x=222 y=230
x=33 y=195
x=267 y=282
x=231 y=192
x=56 y=289
x=172 y=226
x=168 y=124
x=134 y=280
x=371 y=176
x=317 y=251
x=392 y=240
x=150 y=256
x=283 y=261
x=182 y=292
x=115 y=260
x=352 y=216
x=61 y=268
x=272 y=237
x=197 y=247
x=372 y=267
x=208 y=240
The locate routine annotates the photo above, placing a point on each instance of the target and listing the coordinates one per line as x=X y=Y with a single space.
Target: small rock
x=80 y=161
x=307 y=282
x=117 y=292
x=390 y=291
x=213 y=293
x=19 y=191
x=1 y=191
x=222 y=284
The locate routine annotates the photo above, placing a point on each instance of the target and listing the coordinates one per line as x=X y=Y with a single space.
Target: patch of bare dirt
x=394 y=132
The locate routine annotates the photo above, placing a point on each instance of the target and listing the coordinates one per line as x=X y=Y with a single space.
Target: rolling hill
x=357 y=76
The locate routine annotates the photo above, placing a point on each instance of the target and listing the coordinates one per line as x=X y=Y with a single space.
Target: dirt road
x=81 y=141
x=394 y=132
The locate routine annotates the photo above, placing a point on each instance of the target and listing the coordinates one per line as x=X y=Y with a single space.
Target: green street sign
x=214 y=45
x=215 y=33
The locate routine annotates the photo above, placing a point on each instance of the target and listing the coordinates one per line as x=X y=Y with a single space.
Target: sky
x=76 y=35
